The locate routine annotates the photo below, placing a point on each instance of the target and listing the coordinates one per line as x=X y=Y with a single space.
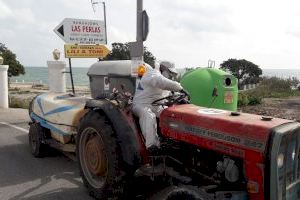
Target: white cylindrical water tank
x=3 y=86
x=57 y=77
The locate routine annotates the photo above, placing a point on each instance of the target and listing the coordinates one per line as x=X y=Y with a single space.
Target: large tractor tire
x=36 y=132
x=100 y=158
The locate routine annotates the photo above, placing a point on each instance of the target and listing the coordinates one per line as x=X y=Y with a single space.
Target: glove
x=184 y=101
x=183 y=91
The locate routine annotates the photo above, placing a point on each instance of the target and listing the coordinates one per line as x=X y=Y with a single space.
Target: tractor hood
x=244 y=135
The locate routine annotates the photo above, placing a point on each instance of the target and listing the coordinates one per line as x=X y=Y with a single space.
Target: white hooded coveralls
x=152 y=86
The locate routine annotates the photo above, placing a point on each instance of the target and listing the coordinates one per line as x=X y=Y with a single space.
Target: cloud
x=293 y=28
x=193 y=16
x=5 y=11
x=294 y=31
x=188 y=32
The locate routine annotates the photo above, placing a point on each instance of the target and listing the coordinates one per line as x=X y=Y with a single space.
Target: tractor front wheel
x=99 y=157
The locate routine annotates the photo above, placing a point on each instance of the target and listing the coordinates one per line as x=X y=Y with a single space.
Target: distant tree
x=245 y=71
x=294 y=82
x=149 y=57
x=120 y=51
x=188 y=69
x=15 y=67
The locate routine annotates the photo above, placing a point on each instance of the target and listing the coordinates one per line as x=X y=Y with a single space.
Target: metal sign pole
x=139 y=21
x=137 y=47
x=71 y=76
x=104 y=12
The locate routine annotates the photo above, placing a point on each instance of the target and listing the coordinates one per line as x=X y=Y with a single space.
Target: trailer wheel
x=99 y=157
x=37 y=148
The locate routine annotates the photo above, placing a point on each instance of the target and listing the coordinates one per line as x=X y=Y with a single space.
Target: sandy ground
x=287 y=108
x=28 y=91
x=43 y=88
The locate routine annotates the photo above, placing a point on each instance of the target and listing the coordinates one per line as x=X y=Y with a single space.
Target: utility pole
x=104 y=13
x=137 y=47
x=139 y=21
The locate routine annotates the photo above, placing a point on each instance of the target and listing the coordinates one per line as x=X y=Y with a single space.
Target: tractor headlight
x=280 y=160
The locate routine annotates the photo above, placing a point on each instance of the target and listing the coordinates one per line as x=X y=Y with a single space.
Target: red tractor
x=213 y=154
x=206 y=153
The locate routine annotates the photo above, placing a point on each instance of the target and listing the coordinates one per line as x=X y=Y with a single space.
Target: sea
x=39 y=75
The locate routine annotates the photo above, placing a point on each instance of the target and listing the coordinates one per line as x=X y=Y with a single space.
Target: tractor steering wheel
x=179 y=98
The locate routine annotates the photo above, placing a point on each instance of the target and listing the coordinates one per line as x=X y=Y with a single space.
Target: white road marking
x=14 y=126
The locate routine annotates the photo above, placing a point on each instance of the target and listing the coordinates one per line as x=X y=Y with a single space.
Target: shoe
x=154 y=150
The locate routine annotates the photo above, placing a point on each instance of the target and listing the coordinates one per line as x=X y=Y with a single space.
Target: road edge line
x=15 y=127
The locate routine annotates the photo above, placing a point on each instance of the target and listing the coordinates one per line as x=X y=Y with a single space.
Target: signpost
x=137 y=47
x=81 y=31
x=86 y=51
x=91 y=33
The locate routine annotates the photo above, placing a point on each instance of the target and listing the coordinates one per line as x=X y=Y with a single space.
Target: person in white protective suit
x=153 y=86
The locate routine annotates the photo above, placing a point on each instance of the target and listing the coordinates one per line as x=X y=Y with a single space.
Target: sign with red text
x=81 y=31
x=86 y=51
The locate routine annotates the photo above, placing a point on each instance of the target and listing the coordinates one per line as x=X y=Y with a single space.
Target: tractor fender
x=130 y=145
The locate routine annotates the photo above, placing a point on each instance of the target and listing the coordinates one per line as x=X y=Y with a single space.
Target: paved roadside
x=27 y=178
x=15 y=116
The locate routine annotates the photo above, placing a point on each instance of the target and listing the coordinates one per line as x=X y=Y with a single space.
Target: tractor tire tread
x=36 y=130
x=114 y=185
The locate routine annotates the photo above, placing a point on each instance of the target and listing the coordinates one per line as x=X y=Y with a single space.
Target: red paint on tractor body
x=245 y=136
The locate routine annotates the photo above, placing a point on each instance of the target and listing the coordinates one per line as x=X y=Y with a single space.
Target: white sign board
x=81 y=31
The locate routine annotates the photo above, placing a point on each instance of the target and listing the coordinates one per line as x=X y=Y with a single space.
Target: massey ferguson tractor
x=206 y=153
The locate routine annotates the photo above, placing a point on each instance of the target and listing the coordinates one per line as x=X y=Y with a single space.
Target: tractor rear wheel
x=37 y=148
x=99 y=157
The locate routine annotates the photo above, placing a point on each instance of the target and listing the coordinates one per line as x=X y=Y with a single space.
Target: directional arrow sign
x=86 y=51
x=81 y=31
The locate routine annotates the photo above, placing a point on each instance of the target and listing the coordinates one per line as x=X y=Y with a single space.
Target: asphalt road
x=24 y=177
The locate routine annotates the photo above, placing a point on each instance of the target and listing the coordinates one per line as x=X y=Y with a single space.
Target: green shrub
x=14 y=89
x=19 y=102
x=269 y=87
x=37 y=86
x=254 y=100
x=249 y=98
x=274 y=87
x=243 y=99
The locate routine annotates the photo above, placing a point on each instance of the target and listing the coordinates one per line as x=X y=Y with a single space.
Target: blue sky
x=189 y=33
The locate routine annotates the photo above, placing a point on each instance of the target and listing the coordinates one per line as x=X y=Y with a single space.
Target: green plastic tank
x=211 y=88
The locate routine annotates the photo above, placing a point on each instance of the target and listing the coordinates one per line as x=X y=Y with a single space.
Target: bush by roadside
x=245 y=99
x=15 y=102
x=274 y=87
x=269 y=87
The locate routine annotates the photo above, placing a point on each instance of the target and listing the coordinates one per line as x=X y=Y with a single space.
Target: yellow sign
x=85 y=51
